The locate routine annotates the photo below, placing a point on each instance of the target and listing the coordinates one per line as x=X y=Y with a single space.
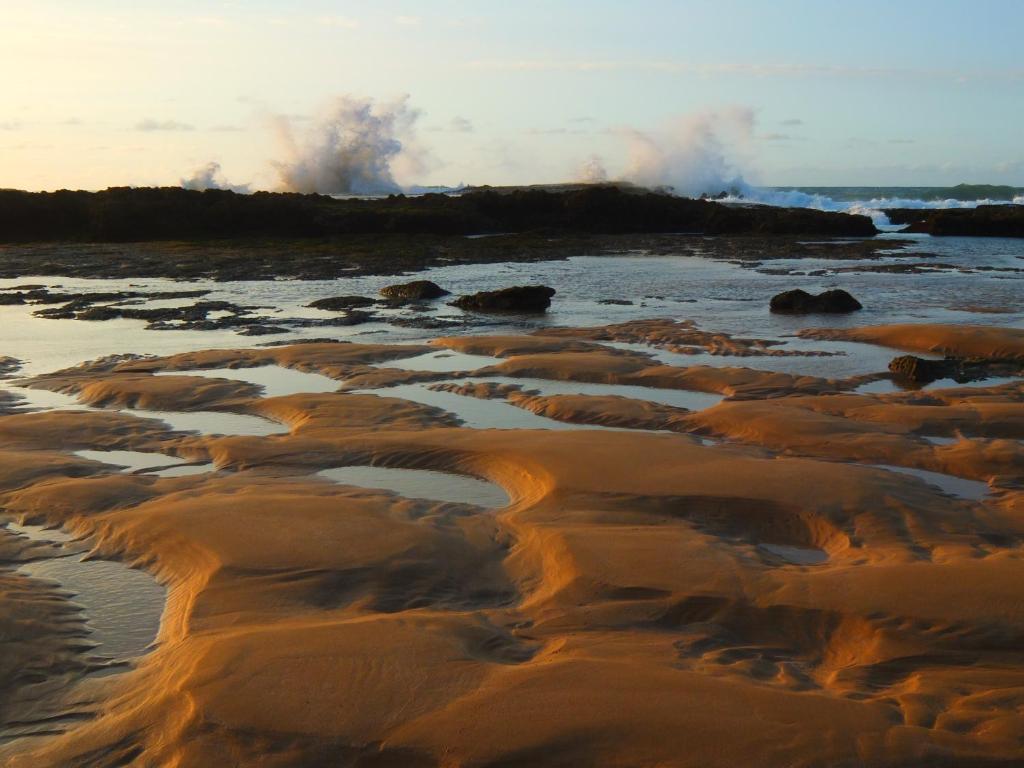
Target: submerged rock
x=520 y=298
x=339 y=303
x=262 y=330
x=917 y=370
x=417 y=290
x=801 y=302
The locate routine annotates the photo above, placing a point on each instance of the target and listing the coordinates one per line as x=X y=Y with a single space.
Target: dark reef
x=983 y=221
x=126 y=214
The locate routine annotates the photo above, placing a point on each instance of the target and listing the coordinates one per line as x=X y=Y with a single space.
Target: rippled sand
x=731 y=585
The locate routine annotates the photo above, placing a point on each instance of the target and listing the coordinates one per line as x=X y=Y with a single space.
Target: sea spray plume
x=692 y=155
x=351 y=149
x=209 y=176
x=592 y=171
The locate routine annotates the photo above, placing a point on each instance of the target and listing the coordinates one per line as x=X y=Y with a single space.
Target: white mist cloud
x=210 y=176
x=592 y=171
x=355 y=147
x=460 y=125
x=693 y=155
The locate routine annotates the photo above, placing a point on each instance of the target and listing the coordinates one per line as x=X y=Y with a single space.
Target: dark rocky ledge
x=983 y=221
x=124 y=214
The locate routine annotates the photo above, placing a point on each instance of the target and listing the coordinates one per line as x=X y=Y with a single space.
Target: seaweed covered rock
x=520 y=298
x=920 y=370
x=800 y=302
x=417 y=290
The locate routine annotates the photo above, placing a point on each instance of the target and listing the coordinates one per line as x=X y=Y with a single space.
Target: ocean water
x=980 y=285
x=871 y=201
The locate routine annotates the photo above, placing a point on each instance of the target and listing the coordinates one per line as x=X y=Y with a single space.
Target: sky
x=99 y=93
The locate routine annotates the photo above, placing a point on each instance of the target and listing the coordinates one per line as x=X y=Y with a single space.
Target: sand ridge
x=635 y=604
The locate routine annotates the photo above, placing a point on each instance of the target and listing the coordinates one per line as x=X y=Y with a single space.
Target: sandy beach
x=756 y=582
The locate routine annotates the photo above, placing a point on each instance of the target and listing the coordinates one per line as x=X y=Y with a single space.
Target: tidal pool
x=275 y=380
x=422 y=484
x=972 y=490
x=123 y=606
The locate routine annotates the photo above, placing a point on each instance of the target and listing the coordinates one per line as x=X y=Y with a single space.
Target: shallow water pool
x=422 y=484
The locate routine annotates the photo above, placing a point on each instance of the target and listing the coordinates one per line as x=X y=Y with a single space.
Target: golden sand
x=634 y=605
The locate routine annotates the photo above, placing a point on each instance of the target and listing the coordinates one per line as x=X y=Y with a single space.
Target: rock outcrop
x=800 y=302
x=417 y=290
x=522 y=298
x=983 y=221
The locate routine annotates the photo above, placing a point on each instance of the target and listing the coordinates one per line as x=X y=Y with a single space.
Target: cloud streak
x=149 y=125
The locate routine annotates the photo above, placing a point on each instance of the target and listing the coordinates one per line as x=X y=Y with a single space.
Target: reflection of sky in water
x=887 y=386
x=205 y=422
x=954 y=486
x=442 y=360
x=274 y=379
x=474 y=412
x=122 y=605
x=422 y=484
x=678 y=398
x=130 y=461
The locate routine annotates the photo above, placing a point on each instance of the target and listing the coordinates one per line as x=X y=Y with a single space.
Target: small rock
x=522 y=298
x=801 y=302
x=417 y=290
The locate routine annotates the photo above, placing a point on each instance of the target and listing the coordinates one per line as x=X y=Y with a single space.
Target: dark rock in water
x=620 y=302
x=93 y=313
x=8 y=365
x=799 y=302
x=291 y=342
x=338 y=303
x=12 y=298
x=427 y=323
x=262 y=330
x=916 y=370
x=417 y=290
x=919 y=370
x=351 y=317
x=521 y=298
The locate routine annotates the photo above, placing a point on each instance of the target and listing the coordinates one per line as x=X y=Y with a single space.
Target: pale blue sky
x=98 y=92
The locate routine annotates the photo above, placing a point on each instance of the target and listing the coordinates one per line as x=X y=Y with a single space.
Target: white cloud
x=408 y=21
x=150 y=125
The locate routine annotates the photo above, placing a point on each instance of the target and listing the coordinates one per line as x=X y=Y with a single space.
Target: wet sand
x=733 y=585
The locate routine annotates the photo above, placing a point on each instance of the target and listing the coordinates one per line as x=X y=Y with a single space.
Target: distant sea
x=872 y=200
